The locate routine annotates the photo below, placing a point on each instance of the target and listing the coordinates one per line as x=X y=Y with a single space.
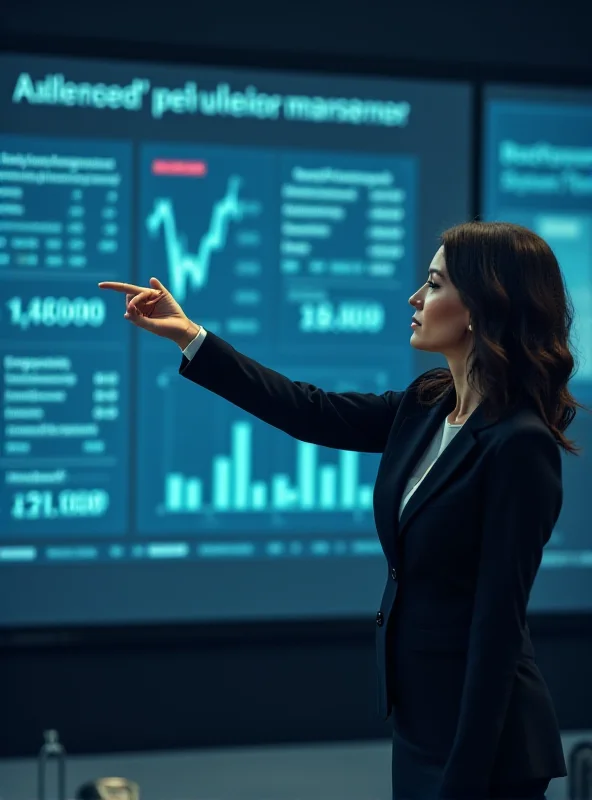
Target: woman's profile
x=467 y=494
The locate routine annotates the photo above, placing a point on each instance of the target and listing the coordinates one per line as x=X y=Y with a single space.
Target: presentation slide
x=537 y=172
x=291 y=214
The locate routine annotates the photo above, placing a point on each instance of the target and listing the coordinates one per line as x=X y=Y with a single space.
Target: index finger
x=126 y=288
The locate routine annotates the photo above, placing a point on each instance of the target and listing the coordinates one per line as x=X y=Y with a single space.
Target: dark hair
x=521 y=316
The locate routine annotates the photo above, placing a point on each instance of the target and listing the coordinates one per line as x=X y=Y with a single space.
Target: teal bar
x=328 y=488
x=280 y=492
x=292 y=497
x=307 y=467
x=174 y=484
x=259 y=496
x=365 y=497
x=193 y=494
x=241 y=463
x=221 y=483
x=348 y=464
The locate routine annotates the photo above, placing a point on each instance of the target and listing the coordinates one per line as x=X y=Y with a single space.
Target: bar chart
x=315 y=486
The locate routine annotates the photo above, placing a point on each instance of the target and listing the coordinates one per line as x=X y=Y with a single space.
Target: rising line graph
x=190 y=270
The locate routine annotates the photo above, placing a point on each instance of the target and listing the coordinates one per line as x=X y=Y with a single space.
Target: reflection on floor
x=341 y=771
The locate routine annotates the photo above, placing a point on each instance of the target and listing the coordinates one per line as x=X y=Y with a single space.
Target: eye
x=432 y=285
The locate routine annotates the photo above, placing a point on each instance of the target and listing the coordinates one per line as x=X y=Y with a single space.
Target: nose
x=415 y=300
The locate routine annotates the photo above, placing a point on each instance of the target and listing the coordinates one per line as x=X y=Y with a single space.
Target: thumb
x=156 y=284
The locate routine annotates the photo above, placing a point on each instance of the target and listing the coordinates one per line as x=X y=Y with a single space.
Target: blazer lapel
x=419 y=431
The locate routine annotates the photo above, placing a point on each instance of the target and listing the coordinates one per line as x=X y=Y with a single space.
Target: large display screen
x=537 y=172
x=291 y=214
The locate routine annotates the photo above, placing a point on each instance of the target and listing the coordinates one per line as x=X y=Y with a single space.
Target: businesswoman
x=467 y=494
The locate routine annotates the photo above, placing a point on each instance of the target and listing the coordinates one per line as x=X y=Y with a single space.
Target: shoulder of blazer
x=520 y=428
x=520 y=421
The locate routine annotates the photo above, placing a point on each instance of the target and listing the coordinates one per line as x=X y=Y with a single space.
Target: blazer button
x=394 y=574
x=379 y=619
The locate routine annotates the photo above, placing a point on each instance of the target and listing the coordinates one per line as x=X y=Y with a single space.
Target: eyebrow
x=437 y=271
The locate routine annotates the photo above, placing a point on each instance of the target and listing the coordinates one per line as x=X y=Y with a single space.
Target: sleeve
x=344 y=421
x=195 y=344
x=523 y=502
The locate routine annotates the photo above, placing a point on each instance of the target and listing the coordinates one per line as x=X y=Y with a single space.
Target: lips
x=413 y=319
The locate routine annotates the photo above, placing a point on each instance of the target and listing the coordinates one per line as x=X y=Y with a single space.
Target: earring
x=470 y=327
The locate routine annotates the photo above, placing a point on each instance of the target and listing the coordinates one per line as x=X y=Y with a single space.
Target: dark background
x=186 y=687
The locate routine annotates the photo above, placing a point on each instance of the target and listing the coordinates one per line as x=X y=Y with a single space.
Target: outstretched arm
x=345 y=421
x=348 y=421
x=522 y=506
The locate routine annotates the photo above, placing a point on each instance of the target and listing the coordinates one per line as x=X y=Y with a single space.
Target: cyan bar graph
x=328 y=481
x=222 y=470
x=259 y=496
x=307 y=466
x=315 y=486
x=241 y=463
x=349 y=479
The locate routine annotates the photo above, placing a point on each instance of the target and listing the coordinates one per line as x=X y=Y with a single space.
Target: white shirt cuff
x=194 y=346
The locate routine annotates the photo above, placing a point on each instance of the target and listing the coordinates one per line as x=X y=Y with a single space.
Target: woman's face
x=443 y=318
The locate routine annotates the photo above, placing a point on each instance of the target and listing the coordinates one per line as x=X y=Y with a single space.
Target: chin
x=415 y=341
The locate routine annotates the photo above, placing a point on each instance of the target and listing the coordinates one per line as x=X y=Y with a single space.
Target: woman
x=467 y=494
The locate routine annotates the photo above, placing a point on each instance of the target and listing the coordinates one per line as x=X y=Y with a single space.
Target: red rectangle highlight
x=182 y=168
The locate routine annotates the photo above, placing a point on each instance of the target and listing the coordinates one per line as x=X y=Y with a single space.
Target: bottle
x=52 y=750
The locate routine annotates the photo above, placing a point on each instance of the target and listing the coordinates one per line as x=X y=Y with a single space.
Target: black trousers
x=417 y=777
x=534 y=790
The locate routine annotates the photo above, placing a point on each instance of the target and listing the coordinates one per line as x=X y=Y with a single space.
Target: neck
x=467 y=398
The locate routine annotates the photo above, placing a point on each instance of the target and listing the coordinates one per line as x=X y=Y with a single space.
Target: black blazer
x=455 y=661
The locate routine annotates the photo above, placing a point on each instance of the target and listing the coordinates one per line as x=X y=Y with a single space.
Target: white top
x=444 y=435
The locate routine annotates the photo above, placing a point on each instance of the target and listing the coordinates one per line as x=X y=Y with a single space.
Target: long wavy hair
x=521 y=316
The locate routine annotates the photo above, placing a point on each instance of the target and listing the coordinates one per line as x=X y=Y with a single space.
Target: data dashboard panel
x=292 y=214
x=537 y=172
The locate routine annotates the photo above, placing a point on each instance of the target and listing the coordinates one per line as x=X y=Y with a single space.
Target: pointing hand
x=155 y=309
